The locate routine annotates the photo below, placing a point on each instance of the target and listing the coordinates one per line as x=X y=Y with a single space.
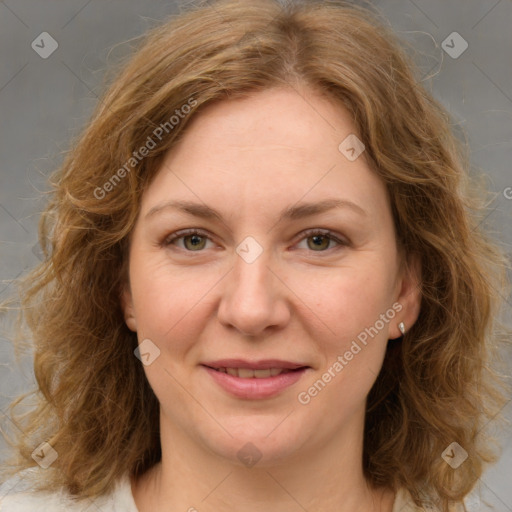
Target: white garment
x=119 y=500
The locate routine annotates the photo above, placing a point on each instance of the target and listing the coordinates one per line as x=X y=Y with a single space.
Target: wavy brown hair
x=94 y=404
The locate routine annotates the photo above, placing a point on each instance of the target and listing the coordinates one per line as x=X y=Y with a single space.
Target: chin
x=262 y=443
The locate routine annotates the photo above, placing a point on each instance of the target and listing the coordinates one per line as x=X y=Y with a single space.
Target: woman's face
x=261 y=328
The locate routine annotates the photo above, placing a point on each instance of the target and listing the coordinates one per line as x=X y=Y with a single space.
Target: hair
x=93 y=403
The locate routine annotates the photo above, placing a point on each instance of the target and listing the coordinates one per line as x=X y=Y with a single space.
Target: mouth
x=256 y=379
x=248 y=373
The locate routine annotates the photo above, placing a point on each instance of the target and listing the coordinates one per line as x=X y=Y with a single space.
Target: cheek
x=168 y=307
x=346 y=301
x=353 y=342
x=171 y=301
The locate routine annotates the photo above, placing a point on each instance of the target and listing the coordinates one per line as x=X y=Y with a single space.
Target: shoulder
x=14 y=500
x=26 y=502
x=405 y=503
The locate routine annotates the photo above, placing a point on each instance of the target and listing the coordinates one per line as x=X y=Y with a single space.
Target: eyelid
x=183 y=233
x=333 y=236
x=339 y=239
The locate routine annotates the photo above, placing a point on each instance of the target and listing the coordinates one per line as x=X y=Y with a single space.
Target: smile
x=252 y=381
x=247 y=373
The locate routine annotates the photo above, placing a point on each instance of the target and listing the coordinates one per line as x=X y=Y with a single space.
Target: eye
x=321 y=239
x=194 y=240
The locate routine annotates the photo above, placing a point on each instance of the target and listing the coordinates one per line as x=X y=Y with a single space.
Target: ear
x=408 y=295
x=128 y=309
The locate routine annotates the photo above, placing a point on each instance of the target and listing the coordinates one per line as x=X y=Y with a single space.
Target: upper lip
x=254 y=365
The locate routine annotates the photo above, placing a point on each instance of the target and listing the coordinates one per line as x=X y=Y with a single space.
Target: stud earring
x=401 y=326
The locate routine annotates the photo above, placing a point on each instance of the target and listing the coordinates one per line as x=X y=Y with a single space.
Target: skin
x=249 y=159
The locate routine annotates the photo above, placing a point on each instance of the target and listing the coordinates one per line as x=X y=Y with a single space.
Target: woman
x=265 y=285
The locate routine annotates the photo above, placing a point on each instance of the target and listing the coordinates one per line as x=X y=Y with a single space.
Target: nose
x=254 y=298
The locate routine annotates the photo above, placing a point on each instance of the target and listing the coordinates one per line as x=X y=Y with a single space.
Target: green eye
x=195 y=240
x=319 y=240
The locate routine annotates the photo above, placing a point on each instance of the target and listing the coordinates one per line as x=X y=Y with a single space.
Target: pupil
x=317 y=240
x=194 y=241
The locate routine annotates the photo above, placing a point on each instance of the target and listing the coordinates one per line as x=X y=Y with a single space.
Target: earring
x=401 y=326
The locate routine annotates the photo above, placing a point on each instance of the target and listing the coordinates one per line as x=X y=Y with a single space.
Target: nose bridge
x=253 y=299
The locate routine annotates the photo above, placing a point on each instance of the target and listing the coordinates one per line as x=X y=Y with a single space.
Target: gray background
x=45 y=102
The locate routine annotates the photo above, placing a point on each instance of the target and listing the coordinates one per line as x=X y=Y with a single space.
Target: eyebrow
x=295 y=212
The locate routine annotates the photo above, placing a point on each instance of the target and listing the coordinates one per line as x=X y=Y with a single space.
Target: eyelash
x=306 y=234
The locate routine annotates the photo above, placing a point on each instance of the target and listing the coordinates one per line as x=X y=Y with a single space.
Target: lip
x=254 y=365
x=254 y=388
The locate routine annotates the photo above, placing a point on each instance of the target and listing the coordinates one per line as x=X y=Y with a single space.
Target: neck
x=327 y=478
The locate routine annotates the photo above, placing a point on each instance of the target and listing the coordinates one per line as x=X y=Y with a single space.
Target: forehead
x=274 y=145
x=302 y=121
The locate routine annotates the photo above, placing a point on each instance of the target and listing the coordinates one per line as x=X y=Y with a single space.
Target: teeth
x=247 y=373
x=260 y=374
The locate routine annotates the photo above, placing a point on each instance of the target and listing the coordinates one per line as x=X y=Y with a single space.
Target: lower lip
x=254 y=388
